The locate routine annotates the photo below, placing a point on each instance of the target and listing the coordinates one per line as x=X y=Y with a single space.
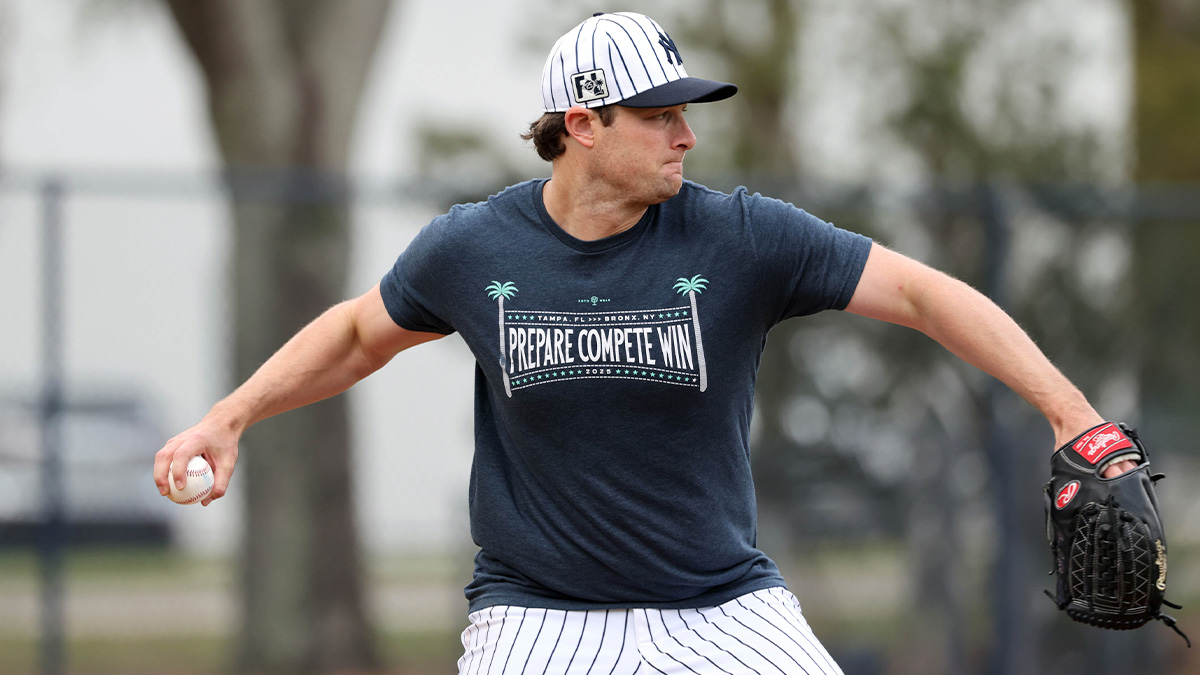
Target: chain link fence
x=116 y=334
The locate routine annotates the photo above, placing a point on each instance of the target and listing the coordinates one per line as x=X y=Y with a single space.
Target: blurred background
x=184 y=184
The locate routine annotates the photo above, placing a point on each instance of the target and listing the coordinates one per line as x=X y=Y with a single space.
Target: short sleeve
x=411 y=288
x=807 y=264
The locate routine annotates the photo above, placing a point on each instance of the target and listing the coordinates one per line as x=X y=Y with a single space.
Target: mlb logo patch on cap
x=624 y=58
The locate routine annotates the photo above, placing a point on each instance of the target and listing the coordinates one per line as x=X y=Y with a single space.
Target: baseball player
x=617 y=314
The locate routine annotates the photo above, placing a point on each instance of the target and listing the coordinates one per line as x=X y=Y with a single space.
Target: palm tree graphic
x=693 y=286
x=498 y=292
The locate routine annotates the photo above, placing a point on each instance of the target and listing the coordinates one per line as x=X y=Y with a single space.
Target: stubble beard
x=649 y=188
x=665 y=187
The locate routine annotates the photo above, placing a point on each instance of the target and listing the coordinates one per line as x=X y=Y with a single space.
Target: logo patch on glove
x=1101 y=442
x=1066 y=494
x=1161 y=561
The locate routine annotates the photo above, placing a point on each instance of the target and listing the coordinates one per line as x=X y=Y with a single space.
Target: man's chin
x=670 y=187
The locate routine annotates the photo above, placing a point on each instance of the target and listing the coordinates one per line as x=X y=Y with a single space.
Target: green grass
x=406 y=653
x=184 y=655
x=432 y=652
x=409 y=653
x=829 y=579
x=152 y=565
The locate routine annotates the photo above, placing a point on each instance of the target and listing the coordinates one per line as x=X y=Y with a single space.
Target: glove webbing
x=1115 y=581
x=1120 y=551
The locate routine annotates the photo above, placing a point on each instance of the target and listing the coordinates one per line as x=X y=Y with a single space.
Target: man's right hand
x=218 y=447
x=345 y=344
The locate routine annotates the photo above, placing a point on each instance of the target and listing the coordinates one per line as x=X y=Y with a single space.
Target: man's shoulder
x=694 y=190
x=698 y=200
x=471 y=221
x=514 y=198
x=698 y=195
x=753 y=205
x=738 y=195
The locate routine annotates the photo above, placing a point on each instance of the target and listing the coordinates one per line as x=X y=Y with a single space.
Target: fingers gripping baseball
x=171 y=463
x=222 y=472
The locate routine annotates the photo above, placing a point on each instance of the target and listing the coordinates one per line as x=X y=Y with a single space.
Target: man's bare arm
x=345 y=344
x=900 y=290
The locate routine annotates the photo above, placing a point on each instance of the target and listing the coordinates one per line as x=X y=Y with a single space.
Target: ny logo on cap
x=669 y=45
x=589 y=86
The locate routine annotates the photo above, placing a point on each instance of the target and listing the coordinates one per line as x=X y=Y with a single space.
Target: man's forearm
x=976 y=330
x=342 y=346
x=900 y=290
x=324 y=359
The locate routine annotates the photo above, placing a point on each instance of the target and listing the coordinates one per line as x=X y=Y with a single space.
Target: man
x=610 y=491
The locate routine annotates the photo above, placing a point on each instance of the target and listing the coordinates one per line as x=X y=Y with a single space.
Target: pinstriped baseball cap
x=624 y=58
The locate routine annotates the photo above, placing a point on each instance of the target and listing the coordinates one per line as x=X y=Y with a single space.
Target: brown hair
x=547 y=131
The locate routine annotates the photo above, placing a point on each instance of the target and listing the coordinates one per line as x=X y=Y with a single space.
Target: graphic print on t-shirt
x=541 y=346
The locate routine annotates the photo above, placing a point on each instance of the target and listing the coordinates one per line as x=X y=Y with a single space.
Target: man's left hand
x=1119 y=468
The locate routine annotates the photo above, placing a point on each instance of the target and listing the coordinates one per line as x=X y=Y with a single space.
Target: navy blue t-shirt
x=614 y=386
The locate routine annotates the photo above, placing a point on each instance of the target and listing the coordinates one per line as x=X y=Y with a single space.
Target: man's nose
x=685 y=139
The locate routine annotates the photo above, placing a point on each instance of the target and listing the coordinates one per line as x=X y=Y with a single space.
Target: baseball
x=199 y=483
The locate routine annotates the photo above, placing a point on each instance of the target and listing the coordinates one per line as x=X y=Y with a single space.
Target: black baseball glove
x=1110 y=552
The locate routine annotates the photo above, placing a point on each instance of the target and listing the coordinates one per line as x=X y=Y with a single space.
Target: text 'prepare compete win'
x=669 y=346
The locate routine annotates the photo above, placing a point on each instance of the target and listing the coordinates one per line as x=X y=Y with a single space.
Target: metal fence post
x=1011 y=653
x=52 y=540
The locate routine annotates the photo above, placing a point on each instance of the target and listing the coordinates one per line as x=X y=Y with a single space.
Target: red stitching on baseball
x=201 y=495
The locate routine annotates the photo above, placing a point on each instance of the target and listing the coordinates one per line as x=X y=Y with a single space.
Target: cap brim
x=678 y=92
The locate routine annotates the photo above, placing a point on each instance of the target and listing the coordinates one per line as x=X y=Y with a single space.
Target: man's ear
x=580 y=124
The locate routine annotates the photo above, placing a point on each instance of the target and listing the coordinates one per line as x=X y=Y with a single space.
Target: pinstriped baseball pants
x=761 y=632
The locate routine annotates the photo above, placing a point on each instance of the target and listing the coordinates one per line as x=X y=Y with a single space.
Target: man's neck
x=587 y=212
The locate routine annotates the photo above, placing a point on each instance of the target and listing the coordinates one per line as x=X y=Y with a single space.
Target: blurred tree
x=467 y=164
x=284 y=80
x=869 y=428
x=1167 y=133
x=1016 y=131
x=759 y=56
x=986 y=105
